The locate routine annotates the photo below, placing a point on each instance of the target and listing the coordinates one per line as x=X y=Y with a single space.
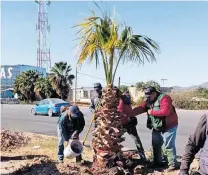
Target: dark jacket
x=94 y=103
x=68 y=126
x=195 y=143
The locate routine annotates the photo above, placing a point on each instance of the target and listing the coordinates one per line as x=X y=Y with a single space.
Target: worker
x=96 y=100
x=62 y=110
x=70 y=125
x=130 y=122
x=163 y=121
x=197 y=141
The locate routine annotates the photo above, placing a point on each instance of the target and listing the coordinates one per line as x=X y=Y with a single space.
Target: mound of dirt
x=45 y=166
x=12 y=140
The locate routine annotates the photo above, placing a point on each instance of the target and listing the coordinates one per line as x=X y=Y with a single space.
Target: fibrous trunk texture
x=107 y=136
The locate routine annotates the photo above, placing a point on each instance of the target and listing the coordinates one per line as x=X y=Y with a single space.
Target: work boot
x=143 y=157
x=195 y=173
x=60 y=161
x=173 y=167
x=161 y=164
x=79 y=159
x=127 y=172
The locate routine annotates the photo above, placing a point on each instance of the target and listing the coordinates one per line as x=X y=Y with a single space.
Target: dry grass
x=41 y=146
x=48 y=146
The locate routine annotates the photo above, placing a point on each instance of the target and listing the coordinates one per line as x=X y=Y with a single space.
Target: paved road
x=18 y=117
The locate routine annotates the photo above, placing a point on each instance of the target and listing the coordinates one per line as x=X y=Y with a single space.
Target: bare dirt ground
x=36 y=155
x=32 y=154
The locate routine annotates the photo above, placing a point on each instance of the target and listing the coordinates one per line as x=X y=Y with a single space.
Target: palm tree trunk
x=108 y=134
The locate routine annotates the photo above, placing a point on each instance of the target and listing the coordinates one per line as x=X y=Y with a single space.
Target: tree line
x=31 y=86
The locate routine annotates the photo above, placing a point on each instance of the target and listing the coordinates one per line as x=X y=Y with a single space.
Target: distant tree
x=61 y=79
x=202 y=92
x=123 y=88
x=153 y=83
x=43 y=89
x=141 y=85
x=24 y=85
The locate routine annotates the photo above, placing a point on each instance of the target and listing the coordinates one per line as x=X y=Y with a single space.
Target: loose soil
x=34 y=154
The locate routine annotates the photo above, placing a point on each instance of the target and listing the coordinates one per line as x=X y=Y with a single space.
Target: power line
x=103 y=79
x=91 y=76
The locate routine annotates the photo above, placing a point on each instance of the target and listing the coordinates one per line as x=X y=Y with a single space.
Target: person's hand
x=149 y=111
x=75 y=135
x=67 y=142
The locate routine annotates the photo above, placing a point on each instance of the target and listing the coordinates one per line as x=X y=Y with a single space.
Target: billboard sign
x=6 y=72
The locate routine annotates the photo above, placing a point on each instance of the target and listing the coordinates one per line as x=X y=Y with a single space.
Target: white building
x=83 y=94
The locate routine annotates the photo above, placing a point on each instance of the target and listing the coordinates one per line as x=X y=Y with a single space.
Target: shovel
x=85 y=138
x=92 y=120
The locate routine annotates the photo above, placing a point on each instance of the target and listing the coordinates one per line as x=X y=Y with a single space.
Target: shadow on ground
x=26 y=157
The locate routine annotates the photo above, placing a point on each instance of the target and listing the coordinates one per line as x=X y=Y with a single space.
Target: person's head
x=63 y=109
x=98 y=88
x=73 y=111
x=126 y=92
x=150 y=93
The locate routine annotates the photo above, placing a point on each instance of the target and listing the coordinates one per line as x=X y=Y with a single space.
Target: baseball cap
x=149 y=90
x=97 y=86
x=74 y=110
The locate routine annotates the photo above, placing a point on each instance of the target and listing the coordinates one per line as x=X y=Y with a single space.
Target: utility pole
x=163 y=80
x=119 y=82
x=75 y=89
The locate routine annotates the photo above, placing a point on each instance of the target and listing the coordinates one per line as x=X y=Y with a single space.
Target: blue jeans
x=60 y=144
x=164 y=145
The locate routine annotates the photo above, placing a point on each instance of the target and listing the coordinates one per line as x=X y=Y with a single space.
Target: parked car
x=50 y=106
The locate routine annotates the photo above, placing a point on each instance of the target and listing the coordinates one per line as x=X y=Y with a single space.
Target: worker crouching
x=70 y=125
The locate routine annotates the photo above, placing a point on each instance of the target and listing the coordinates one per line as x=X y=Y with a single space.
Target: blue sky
x=180 y=28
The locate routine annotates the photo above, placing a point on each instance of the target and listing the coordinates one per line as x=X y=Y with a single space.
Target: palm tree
x=43 y=88
x=102 y=39
x=61 y=79
x=25 y=83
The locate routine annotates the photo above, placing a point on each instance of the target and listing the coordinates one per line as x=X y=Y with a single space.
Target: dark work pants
x=132 y=131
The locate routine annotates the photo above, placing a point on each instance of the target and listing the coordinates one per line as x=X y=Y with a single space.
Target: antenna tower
x=43 y=29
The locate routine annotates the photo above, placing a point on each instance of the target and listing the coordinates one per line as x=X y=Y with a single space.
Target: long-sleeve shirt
x=68 y=126
x=125 y=107
x=166 y=109
x=94 y=103
x=195 y=143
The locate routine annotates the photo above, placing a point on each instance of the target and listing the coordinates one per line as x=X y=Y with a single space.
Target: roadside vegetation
x=193 y=100
x=31 y=86
x=189 y=100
